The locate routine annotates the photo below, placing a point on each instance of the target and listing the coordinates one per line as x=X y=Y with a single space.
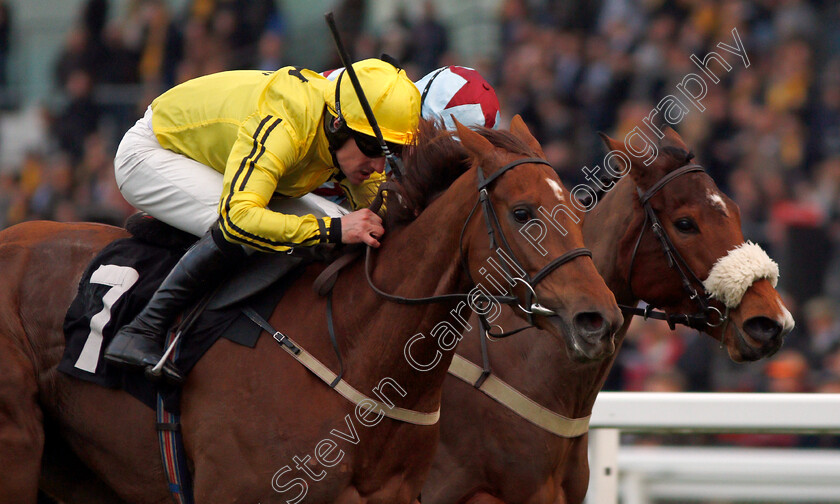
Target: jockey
x=450 y=92
x=248 y=136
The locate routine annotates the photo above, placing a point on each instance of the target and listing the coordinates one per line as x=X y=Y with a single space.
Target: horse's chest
x=550 y=475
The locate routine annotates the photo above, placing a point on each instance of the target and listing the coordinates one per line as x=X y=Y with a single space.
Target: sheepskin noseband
x=733 y=273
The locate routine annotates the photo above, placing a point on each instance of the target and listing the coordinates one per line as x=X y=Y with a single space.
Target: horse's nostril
x=762 y=328
x=589 y=322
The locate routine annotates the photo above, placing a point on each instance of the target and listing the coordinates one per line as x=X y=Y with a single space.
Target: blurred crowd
x=769 y=134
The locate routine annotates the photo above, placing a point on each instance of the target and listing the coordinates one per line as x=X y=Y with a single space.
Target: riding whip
x=393 y=161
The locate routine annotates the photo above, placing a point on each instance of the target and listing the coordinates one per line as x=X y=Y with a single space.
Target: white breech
x=182 y=192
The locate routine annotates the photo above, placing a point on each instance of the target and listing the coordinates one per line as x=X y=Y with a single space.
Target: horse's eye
x=686 y=225
x=521 y=215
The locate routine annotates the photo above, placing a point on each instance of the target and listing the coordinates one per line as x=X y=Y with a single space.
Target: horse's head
x=679 y=207
x=524 y=227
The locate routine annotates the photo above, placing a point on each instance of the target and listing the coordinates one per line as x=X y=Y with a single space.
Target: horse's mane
x=432 y=163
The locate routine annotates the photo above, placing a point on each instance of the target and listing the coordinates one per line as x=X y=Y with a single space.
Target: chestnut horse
x=488 y=454
x=253 y=420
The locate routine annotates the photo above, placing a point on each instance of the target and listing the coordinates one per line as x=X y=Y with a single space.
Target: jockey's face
x=355 y=165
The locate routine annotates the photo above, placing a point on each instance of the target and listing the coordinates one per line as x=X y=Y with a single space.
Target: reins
x=506 y=256
x=699 y=320
x=326 y=281
x=323 y=287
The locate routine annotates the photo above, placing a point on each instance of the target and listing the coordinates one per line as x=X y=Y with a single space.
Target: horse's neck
x=536 y=364
x=605 y=229
x=419 y=260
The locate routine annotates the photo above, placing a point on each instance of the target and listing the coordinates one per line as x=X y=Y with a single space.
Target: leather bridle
x=493 y=227
x=326 y=280
x=700 y=319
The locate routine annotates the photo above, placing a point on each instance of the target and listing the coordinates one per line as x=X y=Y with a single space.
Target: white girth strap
x=735 y=272
x=356 y=397
x=518 y=403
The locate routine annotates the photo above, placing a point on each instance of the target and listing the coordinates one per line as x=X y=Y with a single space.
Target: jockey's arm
x=265 y=160
x=270 y=161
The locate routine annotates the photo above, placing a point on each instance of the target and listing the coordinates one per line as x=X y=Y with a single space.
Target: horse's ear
x=612 y=144
x=615 y=145
x=642 y=175
x=672 y=139
x=520 y=130
x=476 y=144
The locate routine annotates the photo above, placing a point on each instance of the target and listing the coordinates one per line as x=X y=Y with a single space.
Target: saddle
x=121 y=279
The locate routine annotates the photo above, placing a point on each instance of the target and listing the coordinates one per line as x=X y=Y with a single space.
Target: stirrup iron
x=156 y=372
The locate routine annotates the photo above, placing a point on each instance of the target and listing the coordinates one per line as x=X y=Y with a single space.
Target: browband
x=667 y=178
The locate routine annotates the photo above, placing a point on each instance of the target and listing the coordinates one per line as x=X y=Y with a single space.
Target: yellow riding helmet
x=393 y=98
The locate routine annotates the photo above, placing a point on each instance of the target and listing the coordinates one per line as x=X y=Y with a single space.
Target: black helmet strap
x=338 y=98
x=429 y=85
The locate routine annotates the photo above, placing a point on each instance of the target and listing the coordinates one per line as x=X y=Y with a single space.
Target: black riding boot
x=140 y=343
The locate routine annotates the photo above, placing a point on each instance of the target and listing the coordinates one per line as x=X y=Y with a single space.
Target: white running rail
x=649 y=412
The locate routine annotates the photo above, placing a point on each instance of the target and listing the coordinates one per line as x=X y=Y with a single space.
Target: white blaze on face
x=558 y=191
x=716 y=201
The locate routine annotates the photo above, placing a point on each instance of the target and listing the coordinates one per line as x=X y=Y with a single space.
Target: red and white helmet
x=454 y=91
x=332 y=74
x=459 y=92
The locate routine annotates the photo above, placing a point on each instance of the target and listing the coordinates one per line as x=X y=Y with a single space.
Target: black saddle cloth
x=95 y=315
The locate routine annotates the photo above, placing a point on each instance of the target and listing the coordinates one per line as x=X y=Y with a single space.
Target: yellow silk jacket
x=263 y=131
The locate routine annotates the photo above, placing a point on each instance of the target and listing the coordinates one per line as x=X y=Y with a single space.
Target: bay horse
x=490 y=455
x=252 y=419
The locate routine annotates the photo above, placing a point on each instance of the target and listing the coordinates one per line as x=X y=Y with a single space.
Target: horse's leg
x=21 y=428
x=575 y=481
